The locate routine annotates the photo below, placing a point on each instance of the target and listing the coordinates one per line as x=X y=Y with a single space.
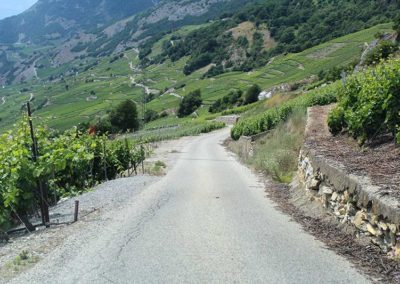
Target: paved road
x=207 y=221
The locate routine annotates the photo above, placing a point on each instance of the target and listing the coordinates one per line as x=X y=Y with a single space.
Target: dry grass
x=247 y=30
x=277 y=153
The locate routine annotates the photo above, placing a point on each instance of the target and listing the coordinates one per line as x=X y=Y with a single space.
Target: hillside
x=50 y=20
x=256 y=33
x=52 y=35
x=77 y=76
x=136 y=116
x=88 y=95
x=63 y=37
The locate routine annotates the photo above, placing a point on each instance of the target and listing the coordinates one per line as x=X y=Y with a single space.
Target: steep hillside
x=154 y=23
x=53 y=34
x=253 y=35
x=53 y=19
x=88 y=95
x=43 y=35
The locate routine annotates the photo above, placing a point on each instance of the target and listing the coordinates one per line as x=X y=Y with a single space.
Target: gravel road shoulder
x=96 y=209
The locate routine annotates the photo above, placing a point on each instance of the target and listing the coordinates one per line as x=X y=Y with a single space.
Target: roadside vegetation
x=369 y=104
x=277 y=153
x=67 y=164
x=272 y=117
x=188 y=128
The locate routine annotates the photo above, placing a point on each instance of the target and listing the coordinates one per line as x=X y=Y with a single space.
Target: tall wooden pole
x=44 y=207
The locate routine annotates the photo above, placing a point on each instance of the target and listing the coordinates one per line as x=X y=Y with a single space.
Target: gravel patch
x=112 y=194
x=106 y=198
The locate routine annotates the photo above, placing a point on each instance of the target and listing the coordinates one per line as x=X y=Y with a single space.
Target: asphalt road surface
x=206 y=221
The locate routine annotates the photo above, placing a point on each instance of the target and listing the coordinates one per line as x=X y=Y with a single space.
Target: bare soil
x=379 y=161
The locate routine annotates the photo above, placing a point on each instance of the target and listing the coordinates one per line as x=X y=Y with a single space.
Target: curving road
x=206 y=221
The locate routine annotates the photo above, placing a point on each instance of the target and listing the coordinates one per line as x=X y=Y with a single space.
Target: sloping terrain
x=52 y=35
x=206 y=221
x=88 y=94
x=48 y=19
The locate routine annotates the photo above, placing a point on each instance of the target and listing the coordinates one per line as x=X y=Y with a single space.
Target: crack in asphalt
x=142 y=220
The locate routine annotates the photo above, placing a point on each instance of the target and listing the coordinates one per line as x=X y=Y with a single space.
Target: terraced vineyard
x=89 y=94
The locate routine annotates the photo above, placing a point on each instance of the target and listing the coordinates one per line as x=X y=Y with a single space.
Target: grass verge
x=277 y=153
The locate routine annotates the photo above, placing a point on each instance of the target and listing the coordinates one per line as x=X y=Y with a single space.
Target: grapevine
x=68 y=163
x=273 y=116
x=369 y=104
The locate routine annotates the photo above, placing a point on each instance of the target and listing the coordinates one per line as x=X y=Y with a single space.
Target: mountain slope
x=88 y=95
x=254 y=34
x=53 y=19
x=52 y=35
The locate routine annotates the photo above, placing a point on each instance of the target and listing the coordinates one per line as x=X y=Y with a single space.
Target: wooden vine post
x=44 y=207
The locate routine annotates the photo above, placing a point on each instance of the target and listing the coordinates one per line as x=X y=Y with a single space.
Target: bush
x=232 y=99
x=252 y=94
x=190 y=103
x=396 y=26
x=104 y=126
x=125 y=116
x=381 y=52
x=150 y=115
x=336 y=121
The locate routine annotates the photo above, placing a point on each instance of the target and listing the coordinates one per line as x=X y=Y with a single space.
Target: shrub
x=382 y=51
x=150 y=115
x=103 y=126
x=252 y=94
x=396 y=26
x=336 y=121
x=228 y=101
x=125 y=116
x=190 y=103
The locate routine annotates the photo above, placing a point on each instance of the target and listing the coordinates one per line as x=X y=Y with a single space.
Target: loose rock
x=359 y=219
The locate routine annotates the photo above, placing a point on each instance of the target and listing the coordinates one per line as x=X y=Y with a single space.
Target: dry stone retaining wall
x=352 y=200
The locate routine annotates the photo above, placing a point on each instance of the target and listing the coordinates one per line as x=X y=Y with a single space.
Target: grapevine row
x=67 y=164
x=273 y=116
x=369 y=104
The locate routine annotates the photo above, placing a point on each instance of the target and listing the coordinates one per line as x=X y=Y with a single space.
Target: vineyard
x=185 y=129
x=273 y=116
x=369 y=104
x=66 y=165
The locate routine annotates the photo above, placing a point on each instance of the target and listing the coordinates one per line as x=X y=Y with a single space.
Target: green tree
x=190 y=103
x=103 y=126
x=252 y=94
x=125 y=116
